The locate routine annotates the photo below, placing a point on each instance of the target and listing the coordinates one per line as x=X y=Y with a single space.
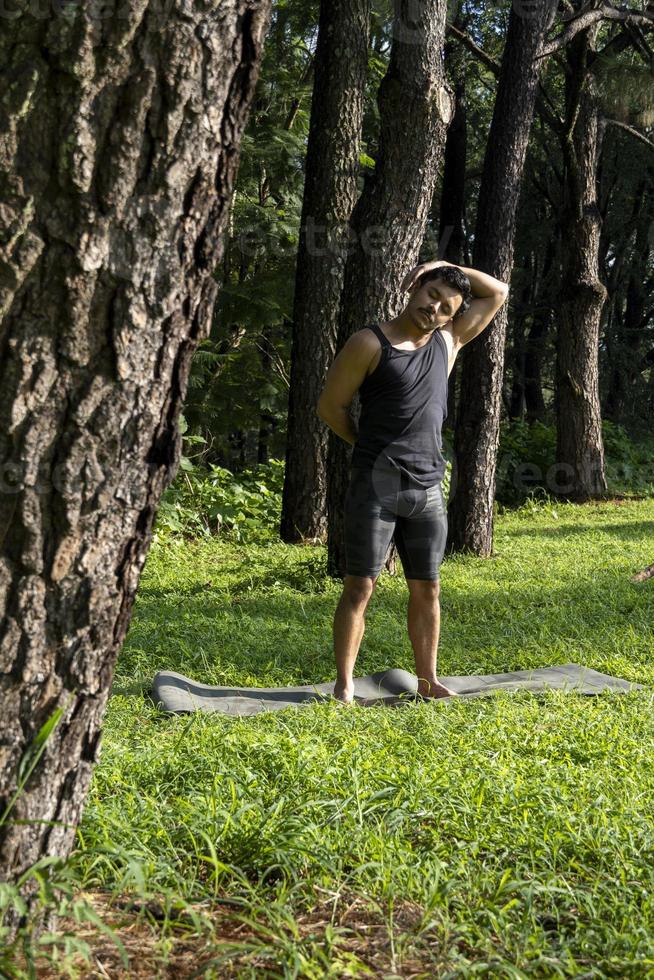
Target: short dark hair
x=458 y=280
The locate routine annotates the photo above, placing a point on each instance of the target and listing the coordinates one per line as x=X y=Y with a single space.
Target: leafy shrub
x=527 y=454
x=629 y=462
x=205 y=501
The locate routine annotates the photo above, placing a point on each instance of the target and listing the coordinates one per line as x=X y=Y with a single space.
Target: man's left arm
x=489 y=294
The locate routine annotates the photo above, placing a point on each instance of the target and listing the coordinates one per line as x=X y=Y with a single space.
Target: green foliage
x=527 y=455
x=629 y=462
x=203 y=501
x=524 y=452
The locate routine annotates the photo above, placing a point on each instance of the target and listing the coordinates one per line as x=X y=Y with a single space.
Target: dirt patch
x=161 y=947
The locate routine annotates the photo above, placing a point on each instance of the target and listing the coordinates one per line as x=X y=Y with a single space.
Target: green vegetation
x=510 y=835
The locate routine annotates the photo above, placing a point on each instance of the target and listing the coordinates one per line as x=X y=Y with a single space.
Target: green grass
x=516 y=830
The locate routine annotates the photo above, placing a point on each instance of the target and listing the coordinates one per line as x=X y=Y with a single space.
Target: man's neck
x=403 y=328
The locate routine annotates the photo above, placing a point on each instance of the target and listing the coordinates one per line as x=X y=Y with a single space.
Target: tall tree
x=580 y=451
x=119 y=151
x=472 y=491
x=389 y=220
x=332 y=166
x=452 y=197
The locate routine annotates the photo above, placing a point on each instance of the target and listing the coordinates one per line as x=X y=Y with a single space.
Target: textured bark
x=452 y=204
x=580 y=450
x=120 y=149
x=472 y=491
x=389 y=220
x=330 y=190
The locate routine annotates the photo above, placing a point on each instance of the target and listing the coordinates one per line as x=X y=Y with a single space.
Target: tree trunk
x=452 y=205
x=120 y=150
x=332 y=167
x=628 y=334
x=534 y=401
x=516 y=405
x=580 y=451
x=472 y=491
x=389 y=220
x=537 y=335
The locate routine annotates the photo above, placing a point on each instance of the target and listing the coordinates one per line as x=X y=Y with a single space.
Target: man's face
x=433 y=304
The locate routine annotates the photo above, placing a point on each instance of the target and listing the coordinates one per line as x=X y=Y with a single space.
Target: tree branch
x=474 y=48
x=543 y=101
x=588 y=17
x=630 y=129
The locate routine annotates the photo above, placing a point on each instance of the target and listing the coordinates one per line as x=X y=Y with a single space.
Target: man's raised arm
x=489 y=294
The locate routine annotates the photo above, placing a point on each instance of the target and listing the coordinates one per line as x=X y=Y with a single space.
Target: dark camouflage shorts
x=375 y=512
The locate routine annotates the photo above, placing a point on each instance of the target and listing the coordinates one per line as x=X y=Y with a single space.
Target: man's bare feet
x=430 y=690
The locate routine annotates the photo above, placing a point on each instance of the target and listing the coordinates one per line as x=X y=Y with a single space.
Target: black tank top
x=403 y=406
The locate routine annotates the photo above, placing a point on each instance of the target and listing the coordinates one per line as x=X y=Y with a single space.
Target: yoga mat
x=178 y=694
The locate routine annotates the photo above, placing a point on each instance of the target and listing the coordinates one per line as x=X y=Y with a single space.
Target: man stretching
x=401 y=370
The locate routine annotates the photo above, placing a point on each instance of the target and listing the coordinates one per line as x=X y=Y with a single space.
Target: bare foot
x=431 y=691
x=344 y=693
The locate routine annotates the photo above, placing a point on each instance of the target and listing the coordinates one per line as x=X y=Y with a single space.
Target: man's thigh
x=421 y=538
x=369 y=527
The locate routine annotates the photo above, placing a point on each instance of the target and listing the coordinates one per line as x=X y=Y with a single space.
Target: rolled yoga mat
x=178 y=694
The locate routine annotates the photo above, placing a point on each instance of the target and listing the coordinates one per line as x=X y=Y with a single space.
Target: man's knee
x=359 y=588
x=424 y=588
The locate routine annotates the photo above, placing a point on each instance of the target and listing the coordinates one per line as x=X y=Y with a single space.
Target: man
x=401 y=369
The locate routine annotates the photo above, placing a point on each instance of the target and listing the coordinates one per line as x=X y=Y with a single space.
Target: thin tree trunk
x=472 y=491
x=389 y=220
x=332 y=166
x=120 y=156
x=580 y=450
x=537 y=336
x=629 y=332
x=534 y=401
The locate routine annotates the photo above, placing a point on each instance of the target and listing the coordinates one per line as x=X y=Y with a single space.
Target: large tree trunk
x=452 y=204
x=330 y=189
x=389 y=220
x=121 y=148
x=580 y=451
x=472 y=490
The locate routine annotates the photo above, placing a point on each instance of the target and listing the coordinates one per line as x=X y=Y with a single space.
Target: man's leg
x=424 y=619
x=349 y=626
x=421 y=539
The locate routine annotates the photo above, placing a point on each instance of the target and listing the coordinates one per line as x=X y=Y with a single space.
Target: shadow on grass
x=307 y=575
x=275 y=639
x=626 y=532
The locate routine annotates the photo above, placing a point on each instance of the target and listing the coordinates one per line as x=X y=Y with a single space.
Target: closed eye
x=447 y=308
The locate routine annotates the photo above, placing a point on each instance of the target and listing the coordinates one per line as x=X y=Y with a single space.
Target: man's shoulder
x=361 y=342
x=365 y=339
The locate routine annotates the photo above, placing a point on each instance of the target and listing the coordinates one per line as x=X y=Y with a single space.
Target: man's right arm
x=344 y=379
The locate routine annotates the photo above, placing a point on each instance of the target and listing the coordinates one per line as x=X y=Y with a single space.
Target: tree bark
x=330 y=189
x=120 y=150
x=452 y=205
x=580 y=450
x=389 y=220
x=472 y=489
